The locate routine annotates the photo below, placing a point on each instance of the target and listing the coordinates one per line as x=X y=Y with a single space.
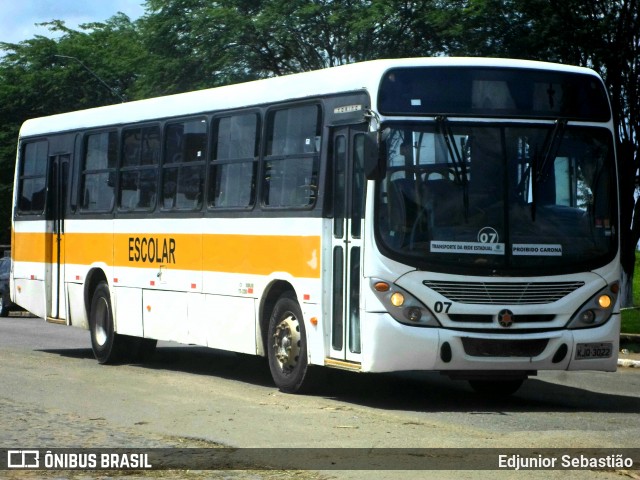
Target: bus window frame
x=211 y=163
x=158 y=125
x=21 y=177
x=269 y=115
x=80 y=165
x=163 y=165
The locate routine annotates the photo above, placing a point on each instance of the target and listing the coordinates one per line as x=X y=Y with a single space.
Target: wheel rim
x=286 y=343
x=102 y=321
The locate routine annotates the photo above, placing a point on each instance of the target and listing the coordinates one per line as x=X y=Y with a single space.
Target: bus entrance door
x=56 y=201
x=348 y=211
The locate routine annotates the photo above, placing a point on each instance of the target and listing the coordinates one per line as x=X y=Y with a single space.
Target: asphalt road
x=53 y=394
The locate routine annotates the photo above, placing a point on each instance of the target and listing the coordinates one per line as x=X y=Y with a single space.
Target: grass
x=631 y=317
x=631 y=321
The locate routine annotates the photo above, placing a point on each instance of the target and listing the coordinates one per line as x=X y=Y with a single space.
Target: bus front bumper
x=389 y=346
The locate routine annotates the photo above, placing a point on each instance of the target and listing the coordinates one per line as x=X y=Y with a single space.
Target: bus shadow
x=433 y=392
x=410 y=391
x=191 y=359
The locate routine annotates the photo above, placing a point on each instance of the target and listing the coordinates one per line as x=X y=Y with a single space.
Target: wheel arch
x=272 y=293
x=94 y=278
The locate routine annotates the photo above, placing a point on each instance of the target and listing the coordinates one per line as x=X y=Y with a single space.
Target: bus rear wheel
x=105 y=342
x=287 y=345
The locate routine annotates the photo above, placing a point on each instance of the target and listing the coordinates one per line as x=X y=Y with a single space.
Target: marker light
x=381 y=287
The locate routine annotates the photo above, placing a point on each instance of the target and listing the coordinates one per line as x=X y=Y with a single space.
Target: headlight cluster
x=403 y=306
x=597 y=310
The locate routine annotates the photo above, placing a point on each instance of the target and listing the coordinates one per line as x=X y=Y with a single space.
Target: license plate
x=594 y=350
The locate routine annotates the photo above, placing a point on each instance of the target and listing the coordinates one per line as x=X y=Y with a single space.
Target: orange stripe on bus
x=252 y=254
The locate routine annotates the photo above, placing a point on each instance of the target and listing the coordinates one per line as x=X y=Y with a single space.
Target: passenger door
x=56 y=203
x=349 y=188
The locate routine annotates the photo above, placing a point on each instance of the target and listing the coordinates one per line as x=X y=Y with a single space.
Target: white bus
x=456 y=215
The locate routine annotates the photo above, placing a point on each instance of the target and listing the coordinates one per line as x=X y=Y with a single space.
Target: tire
x=107 y=346
x=287 y=345
x=496 y=388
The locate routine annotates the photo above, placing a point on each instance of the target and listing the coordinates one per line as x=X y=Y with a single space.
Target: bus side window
x=183 y=165
x=139 y=169
x=292 y=157
x=33 y=175
x=98 y=172
x=232 y=181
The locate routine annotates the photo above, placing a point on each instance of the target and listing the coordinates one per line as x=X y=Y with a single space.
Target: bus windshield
x=497 y=198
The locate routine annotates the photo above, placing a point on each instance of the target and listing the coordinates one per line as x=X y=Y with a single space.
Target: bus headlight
x=597 y=310
x=397 y=299
x=403 y=307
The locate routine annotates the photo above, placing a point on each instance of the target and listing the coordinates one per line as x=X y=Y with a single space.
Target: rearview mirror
x=374 y=156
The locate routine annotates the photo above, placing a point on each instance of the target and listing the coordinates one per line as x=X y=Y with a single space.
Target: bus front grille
x=503 y=293
x=473 y=318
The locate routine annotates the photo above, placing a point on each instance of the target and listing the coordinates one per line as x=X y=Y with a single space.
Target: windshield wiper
x=459 y=165
x=541 y=165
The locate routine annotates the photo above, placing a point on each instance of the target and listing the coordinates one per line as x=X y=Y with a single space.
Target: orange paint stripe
x=252 y=254
x=263 y=254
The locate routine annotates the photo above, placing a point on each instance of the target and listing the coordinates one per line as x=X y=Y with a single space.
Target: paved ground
x=54 y=394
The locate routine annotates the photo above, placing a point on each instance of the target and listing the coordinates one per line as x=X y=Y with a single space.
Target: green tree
x=43 y=76
x=201 y=43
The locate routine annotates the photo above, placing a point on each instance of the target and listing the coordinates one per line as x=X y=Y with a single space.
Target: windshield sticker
x=538 y=250
x=488 y=235
x=476 y=248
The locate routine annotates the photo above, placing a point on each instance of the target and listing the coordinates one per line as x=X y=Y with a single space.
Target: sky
x=18 y=17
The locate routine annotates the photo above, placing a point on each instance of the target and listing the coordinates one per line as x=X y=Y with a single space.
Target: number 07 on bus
x=434 y=214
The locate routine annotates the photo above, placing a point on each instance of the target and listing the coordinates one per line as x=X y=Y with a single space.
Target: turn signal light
x=381 y=287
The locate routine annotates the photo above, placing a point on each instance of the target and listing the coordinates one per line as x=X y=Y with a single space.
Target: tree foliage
x=181 y=45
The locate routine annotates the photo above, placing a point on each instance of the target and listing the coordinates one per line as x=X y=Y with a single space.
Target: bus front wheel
x=105 y=343
x=287 y=345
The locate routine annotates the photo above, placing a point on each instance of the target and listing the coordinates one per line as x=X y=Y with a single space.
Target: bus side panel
x=29 y=267
x=31 y=295
x=196 y=318
x=77 y=308
x=230 y=323
x=164 y=315
x=128 y=311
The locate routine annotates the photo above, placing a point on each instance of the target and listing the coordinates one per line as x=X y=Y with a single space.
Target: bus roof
x=344 y=78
